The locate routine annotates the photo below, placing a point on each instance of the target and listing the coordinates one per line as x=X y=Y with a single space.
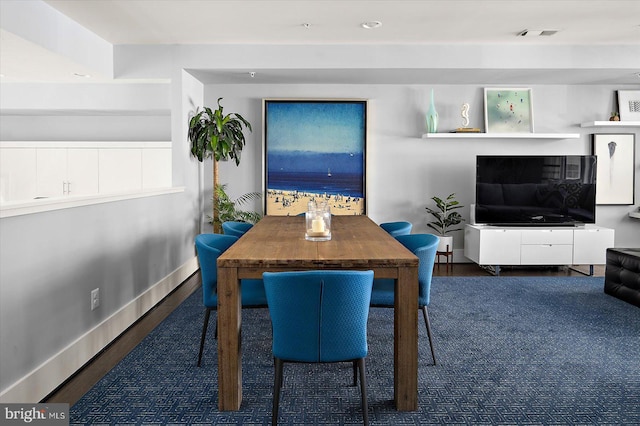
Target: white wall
x=404 y=171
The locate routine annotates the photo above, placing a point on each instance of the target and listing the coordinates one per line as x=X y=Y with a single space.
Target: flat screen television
x=544 y=190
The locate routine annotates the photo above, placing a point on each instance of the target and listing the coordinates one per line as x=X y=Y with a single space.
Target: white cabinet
x=66 y=171
x=30 y=170
x=155 y=163
x=493 y=245
x=546 y=247
x=17 y=174
x=120 y=170
x=588 y=245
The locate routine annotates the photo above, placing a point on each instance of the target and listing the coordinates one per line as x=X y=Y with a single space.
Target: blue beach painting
x=315 y=150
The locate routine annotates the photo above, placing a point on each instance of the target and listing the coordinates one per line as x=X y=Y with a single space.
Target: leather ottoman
x=622 y=274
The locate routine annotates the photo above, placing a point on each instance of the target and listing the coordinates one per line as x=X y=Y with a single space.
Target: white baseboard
x=36 y=385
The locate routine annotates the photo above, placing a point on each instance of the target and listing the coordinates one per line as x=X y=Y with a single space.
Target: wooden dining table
x=277 y=243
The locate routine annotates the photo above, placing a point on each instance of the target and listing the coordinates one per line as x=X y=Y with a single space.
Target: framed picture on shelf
x=629 y=105
x=508 y=110
x=615 y=171
x=315 y=150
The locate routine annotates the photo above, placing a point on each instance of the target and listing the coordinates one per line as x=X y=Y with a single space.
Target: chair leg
x=363 y=391
x=207 y=314
x=428 y=324
x=355 y=373
x=277 y=384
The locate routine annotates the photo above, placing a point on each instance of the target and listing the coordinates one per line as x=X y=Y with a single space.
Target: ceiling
x=256 y=22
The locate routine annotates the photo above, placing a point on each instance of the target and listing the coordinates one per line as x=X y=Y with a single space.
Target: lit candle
x=317 y=225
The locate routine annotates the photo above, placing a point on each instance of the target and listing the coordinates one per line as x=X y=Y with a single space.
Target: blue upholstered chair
x=397 y=228
x=237 y=229
x=424 y=246
x=319 y=316
x=209 y=248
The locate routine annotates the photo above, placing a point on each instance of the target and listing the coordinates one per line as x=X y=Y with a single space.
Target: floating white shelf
x=500 y=136
x=635 y=215
x=611 y=124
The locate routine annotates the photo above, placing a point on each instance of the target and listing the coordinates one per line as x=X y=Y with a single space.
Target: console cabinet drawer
x=546 y=254
x=547 y=236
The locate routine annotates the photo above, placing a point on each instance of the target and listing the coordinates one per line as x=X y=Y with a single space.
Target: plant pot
x=445 y=240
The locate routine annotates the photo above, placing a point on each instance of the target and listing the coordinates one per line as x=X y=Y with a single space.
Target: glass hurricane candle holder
x=318 y=223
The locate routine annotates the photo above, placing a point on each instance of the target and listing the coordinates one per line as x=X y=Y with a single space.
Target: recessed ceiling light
x=534 y=33
x=369 y=25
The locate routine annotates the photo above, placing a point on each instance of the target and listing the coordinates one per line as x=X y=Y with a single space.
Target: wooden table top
x=279 y=242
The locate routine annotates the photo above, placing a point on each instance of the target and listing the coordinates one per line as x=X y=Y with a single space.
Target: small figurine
x=465 y=114
x=614 y=116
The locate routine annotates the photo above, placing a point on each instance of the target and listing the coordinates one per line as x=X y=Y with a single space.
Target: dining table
x=278 y=243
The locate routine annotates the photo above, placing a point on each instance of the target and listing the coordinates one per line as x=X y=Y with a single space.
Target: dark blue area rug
x=511 y=351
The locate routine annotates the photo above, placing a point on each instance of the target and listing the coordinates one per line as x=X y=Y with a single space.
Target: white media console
x=496 y=246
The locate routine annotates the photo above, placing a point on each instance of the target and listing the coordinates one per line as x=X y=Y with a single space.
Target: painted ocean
x=331 y=173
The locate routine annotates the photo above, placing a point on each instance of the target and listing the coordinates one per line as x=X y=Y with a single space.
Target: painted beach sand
x=291 y=203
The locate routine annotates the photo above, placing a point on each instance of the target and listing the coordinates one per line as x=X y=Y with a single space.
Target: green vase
x=432 y=117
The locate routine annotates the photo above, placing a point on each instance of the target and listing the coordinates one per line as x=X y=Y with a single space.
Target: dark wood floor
x=85 y=378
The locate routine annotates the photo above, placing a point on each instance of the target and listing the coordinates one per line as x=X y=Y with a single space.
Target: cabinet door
x=156 y=168
x=51 y=172
x=120 y=169
x=17 y=174
x=82 y=171
x=590 y=245
x=499 y=247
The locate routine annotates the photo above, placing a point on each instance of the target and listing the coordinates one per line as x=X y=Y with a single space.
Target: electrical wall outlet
x=95 y=298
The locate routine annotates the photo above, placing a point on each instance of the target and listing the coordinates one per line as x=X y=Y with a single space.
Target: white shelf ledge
x=19 y=208
x=500 y=136
x=635 y=215
x=611 y=124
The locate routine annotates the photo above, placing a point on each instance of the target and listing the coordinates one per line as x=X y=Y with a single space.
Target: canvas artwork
x=315 y=150
x=508 y=110
x=615 y=177
x=629 y=105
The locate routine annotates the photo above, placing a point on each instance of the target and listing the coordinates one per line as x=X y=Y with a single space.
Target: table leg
x=405 y=358
x=229 y=340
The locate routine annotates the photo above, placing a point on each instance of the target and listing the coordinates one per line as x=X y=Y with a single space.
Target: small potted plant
x=446 y=218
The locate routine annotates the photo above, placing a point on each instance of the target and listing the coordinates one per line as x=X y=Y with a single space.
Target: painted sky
x=315 y=126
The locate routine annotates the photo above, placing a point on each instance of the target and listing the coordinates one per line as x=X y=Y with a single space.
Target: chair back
x=319 y=316
x=397 y=228
x=237 y=229
x=209 y=247
x=424 y=246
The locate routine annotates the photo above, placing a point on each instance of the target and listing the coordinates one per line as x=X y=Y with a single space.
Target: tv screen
x=546 y=190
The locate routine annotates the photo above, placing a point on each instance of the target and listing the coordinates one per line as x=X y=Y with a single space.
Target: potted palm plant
x=213 y=134
x=446 y=218
x=230 y=210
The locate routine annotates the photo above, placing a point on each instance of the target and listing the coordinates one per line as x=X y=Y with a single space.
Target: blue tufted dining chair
x=237 y=229
x=397 y=228
x=319 y=316
x=424 y=246
x=209 y=248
